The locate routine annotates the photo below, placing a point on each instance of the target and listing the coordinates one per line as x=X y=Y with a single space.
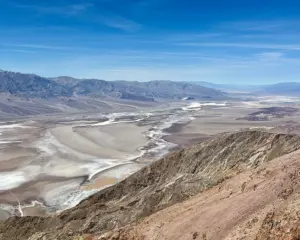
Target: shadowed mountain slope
x=31 y=85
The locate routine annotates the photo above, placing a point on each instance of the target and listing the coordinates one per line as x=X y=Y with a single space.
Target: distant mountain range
x=231 y=87
x=34 y=86
x=31 y=85
x=286 y=88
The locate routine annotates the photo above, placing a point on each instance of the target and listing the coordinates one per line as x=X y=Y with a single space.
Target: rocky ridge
x=177 y=178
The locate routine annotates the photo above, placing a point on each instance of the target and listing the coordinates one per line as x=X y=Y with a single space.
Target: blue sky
x=219 y=41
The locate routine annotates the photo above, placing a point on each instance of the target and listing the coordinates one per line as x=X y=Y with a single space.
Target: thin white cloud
x=118 y=22
x=72 y=9
x=85 y=12
x=270 y=56
x=17 y=50
x=258 y=25
x=34 y=46
x=242 y=45
x=194 y=36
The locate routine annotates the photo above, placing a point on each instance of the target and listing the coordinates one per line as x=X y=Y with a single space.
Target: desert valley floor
x=50 y=163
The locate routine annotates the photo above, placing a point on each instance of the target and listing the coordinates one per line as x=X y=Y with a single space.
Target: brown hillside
x=171 y=180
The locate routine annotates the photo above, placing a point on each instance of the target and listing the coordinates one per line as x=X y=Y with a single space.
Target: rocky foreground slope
x=241 y=185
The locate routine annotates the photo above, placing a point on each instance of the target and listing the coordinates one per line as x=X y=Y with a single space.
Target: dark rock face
x=173 y=179
x=30 y=85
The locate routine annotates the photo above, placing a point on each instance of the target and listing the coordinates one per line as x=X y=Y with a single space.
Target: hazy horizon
x=198 y=82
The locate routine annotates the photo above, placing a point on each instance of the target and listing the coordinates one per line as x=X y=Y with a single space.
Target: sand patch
x=35 y=210
x=100 y=183
x=117 y=141
x=4 y=215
